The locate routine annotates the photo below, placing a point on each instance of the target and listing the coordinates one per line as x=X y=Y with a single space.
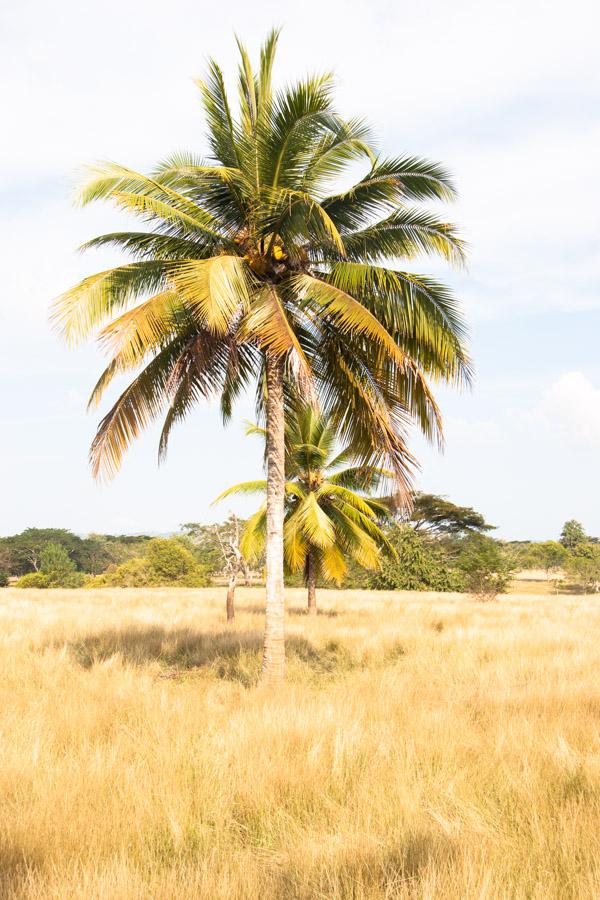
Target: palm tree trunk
x=273 y=664
x=231 y=597
x=311 y=583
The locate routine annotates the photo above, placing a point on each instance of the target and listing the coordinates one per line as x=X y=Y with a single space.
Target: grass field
x=425 y=747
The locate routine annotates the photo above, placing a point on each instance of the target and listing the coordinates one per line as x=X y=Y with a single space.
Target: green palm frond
x=244 y=488
x=406 y=233
x=254 y=535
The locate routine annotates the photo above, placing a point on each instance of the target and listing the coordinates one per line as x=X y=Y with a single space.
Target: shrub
x=70 y=580
x=132 y=573
x=56 y=562
x=585 y=569
x=168 y=563
x=169 y=559
x=33 y=580
x=418 y=566
x=3 y=579
x=486 y=567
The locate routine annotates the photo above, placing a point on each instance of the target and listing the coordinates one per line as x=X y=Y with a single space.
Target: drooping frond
x=129 y=337
x=218 y=289
x=139 y=405
x=80 y=310
x=421 y=314
x=268 y=325
x=253 y=538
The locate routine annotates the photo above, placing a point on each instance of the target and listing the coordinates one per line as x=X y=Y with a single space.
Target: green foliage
x=168 y=562
x=550 y=555
x=438 y=515
x=132 y=573
x=23 y=551
x=486 y=566
x=59 y=568
x=3 y=579
x=585 y=568
x=33 y=580
x=55 y=561
x=573 y=537
x=419 y=565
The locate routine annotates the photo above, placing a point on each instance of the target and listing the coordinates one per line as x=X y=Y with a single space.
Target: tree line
x=439 y=546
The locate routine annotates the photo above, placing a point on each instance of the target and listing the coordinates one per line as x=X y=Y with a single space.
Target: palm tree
x=255 y=269
x=329 y=516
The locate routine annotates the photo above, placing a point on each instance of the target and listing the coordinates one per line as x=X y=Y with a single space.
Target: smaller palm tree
x=330 y=516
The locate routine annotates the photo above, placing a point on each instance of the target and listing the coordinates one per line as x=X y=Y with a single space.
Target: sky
x=505 y=94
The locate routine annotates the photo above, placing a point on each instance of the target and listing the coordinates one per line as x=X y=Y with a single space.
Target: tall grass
x=424 y=747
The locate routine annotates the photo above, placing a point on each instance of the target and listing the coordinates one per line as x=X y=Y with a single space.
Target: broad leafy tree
x=573 y=536
x=440 y=516
x=330 y=515
x=254 y=268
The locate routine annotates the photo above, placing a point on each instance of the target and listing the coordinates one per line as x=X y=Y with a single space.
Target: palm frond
x=88 y=304
x=218 y=289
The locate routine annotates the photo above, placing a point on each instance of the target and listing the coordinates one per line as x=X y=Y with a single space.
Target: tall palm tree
x=329 y=515
x=255 y=268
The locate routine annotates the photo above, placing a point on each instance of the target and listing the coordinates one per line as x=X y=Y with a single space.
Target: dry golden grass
x=424 y=747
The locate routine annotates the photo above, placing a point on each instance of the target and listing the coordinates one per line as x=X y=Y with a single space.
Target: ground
x=426 y=746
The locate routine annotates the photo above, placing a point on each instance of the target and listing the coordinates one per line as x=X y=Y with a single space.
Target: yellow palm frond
x=333 y=563
x=218 y=289
x=267 y=323
x=129 y=337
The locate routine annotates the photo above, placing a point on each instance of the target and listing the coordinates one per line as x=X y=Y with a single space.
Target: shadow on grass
x=367 y=872
x=232 y=655
x=257 y=609
x=17 y=866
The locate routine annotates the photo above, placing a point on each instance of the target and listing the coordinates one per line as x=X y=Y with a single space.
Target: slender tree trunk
x=311 y=583
x=231 y=597
x=273 y=664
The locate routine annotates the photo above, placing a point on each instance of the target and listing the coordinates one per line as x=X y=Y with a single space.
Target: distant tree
x=169 y=559
x=168 y=562
x=58 y=568
x=55 y=561
x=6 y=555
x=330 y=516
x=551 y=556
x=486 y=566
x=585 y=569
x=437 y=515
x=573 y=537
x=418 y=565
x=27 y=546
x=205 y=541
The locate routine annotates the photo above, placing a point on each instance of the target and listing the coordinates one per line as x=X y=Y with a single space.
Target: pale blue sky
x=506 y=94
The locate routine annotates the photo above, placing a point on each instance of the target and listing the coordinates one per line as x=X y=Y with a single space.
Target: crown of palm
x=255 y=253
x=327 y=510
